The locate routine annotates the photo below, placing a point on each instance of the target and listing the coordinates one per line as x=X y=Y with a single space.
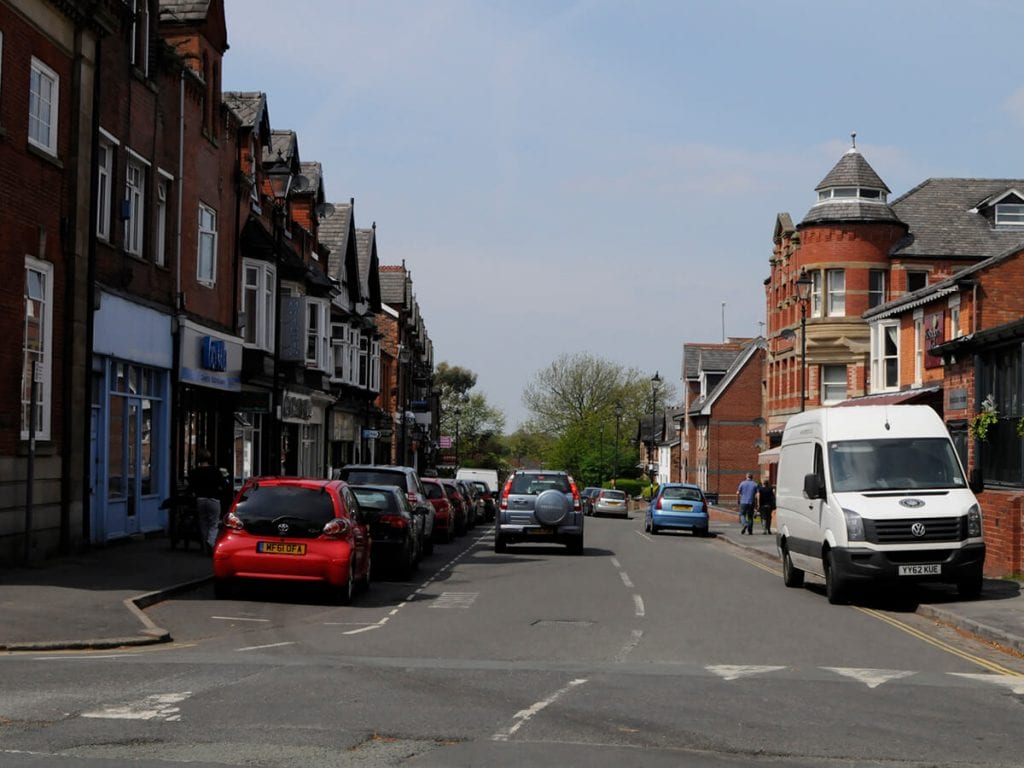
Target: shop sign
x=956 y=399
x=296 y=408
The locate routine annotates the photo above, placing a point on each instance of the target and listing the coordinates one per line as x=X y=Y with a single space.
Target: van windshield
x=894 y=464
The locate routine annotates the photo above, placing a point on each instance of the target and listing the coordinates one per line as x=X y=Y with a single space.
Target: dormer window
x=851 y=193
x=1010 y=214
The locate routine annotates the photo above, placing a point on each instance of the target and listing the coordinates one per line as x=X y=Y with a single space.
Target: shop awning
x=771 y=456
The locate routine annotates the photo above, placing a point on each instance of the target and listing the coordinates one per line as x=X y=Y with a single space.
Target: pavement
x=98 y=599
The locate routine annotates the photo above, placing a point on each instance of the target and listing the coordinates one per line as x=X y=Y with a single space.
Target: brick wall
x=1003 y=521
x=732 y=449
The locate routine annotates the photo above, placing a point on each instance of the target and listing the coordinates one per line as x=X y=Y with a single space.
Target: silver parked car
x=539 y=505
x=609 y=502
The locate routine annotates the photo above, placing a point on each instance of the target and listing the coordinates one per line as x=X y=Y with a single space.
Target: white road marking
x=625 y=579
x=734 y=672
x=261 y=647
x=632 y=643
x=363 y=629
x=638 y=602
x=643 y=535
x=523 y=716
x=158 y=707
x=872 y=678
x=1015 y=684
x=615 y=562
x=455 y=600
x=236 y=618
x=82 y=657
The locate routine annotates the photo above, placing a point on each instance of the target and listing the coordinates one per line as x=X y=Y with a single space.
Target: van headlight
x=854 y=526
x=974 y=522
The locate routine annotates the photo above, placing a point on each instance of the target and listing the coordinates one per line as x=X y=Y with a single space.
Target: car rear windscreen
x=287 y=502
x=690 y=494
x=534 y=485
x=373 y=477
x=372 y=499
x=434 y=491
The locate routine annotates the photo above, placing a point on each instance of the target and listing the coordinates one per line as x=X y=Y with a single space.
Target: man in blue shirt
x=746 y=494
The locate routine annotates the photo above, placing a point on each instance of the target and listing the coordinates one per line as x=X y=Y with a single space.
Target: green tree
x=467 y=416
x=574 y=401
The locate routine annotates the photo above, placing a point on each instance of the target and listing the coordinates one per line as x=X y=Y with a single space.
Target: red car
x=444 y=512
x=294 y=529
x=459 y=505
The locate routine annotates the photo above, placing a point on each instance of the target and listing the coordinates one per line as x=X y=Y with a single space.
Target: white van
x=875 y=493
x=488 y=476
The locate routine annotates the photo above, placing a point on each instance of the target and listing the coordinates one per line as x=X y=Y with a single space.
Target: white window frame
x=164 y=181
x=364 y=361
x=140 y=29
x=318 y=334
x=881 y=380
x=259 y=281
x=43 y=108
x=836 y=283
x=878 y=293
x=1009 y=214
x=918 y=347
x=815 y=293
x=833 y=385
x=43 y=356
x=135 y=196
x=105 y=185
x=375 y=365
x=955 y=331
x=206 y=246
x=353 y=356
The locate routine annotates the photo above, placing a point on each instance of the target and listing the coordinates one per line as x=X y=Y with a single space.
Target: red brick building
x=722 y=430
x=965 y=335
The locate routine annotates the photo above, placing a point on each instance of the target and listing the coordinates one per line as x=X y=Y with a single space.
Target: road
x=646 y=651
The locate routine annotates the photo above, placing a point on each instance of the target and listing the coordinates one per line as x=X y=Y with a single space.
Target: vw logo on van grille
x=282 y=528
x=911 y=503
x=917 y=529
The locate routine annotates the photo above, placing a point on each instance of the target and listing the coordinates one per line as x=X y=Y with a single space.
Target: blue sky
x=602 y=175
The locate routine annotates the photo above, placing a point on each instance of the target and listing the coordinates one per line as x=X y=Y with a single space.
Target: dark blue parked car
x=679 y=506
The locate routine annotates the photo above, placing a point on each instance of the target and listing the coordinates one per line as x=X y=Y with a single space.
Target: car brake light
x=337 y=528
x=504 y=494
x=413 y=498
x=233 y=522
x=395 y=521
x=575 y=496
x=658 y=505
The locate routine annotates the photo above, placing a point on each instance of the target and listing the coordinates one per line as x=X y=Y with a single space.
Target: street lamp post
x=404 y=355
x=803 y=288
x=618 y=418
x=653 y=470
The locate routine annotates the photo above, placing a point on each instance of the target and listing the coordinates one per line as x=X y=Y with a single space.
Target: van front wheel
x=835 y=588
x=791 y=575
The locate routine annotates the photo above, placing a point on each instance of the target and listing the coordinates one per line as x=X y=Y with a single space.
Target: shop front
x=129 y=419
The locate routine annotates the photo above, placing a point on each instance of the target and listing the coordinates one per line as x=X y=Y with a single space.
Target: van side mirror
x=976 y=481
x=813 y=488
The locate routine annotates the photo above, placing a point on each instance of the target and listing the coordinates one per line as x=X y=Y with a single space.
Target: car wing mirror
x=813 y=488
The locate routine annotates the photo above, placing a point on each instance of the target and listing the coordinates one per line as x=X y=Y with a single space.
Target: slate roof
x=334 y=231
x=740 y=359
x=283 y=142
x=944 y=220
x=393 y=280
x=248 y=106
x=364 y=247
x=852 y=170
x=709 y=357
x=184 y=10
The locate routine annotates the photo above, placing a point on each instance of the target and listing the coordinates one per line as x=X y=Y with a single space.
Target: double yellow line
x=985 y=663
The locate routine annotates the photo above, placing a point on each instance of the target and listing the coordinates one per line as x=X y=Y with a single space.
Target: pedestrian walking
x=746 y=497
x=766 y=504
x=207 y=484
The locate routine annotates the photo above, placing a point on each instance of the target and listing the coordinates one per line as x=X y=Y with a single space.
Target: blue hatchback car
x=680 y=506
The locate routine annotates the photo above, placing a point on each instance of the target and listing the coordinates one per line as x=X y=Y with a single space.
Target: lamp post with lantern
x=803 y=289
x=652 y=465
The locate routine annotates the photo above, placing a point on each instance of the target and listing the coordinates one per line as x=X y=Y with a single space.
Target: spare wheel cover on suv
x=552 y=507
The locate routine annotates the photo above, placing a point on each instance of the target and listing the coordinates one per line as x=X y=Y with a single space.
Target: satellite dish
x=299 y=183
x=789 y=334
x=324 y=210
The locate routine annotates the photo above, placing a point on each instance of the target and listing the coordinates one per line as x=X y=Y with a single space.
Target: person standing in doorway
x=746 y=496
x=766 y=504
x=207 y=484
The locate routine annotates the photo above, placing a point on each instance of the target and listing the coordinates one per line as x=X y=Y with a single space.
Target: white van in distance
x=875 y=493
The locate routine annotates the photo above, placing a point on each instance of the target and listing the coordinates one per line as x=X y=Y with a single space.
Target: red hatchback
x=444 y=511
x=294 y=529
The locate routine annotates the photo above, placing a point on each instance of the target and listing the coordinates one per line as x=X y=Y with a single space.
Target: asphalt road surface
x=646 y=651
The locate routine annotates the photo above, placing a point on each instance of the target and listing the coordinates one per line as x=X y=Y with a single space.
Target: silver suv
x=539 y=505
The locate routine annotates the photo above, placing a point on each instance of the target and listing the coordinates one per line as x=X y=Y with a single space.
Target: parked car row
x=604 y=501
x=339 y=533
